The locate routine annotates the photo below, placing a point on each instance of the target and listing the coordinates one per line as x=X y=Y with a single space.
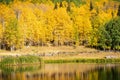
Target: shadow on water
x=66 y=71
x=110 y=72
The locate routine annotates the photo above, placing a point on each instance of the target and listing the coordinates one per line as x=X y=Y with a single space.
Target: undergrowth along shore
x=30 y=59
x=117 y=60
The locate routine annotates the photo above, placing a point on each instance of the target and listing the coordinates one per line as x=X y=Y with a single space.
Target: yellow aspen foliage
x=49 y=23
x=104 y=17
x=55 y=22
x=63 y=25
x=26 y=19
x=5 y=14
x=82 y=23
x=58 y=25
x=12 y=36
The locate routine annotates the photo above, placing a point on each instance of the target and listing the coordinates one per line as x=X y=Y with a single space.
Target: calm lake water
x=65 y=71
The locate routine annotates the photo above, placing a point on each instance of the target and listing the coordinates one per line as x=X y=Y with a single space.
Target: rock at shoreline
x=110 y=57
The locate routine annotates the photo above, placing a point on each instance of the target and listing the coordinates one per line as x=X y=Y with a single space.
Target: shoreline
x=24 y=60
x=66 y=54
x=80 y=60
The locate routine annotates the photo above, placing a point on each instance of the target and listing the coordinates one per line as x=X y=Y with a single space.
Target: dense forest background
x=93 y=23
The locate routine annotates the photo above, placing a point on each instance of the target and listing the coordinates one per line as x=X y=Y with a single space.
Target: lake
x=64 y=71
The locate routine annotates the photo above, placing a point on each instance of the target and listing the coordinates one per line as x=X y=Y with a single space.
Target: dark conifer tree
x=118 y=14
x=69 y=6
x=91 y=6
x=61 y=5
x=55 y=7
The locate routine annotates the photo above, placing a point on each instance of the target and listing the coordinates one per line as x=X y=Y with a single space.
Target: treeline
x=93 y=23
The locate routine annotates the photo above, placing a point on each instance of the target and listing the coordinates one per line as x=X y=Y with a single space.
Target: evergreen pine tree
x=91 y=6
x=61 y=5
x=118 y=14
x=55 y=7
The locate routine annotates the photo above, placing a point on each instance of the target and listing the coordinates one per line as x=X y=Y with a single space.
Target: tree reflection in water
x=65 y=71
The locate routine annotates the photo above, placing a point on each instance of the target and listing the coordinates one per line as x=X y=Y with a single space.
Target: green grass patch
x=29 y=59
x=83 y=61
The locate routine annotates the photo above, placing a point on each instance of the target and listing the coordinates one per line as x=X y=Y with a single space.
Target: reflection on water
x=67 y=71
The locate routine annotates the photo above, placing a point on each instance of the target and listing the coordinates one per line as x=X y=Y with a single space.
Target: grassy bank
x=83 y=61
x=62 y=54
x=21 y=60
x=30 y=59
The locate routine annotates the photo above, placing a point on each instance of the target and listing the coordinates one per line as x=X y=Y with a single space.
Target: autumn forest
x=92 y=23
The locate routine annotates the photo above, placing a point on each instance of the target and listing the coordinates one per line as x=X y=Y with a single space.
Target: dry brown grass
x=79 y=52
x=53 y=49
